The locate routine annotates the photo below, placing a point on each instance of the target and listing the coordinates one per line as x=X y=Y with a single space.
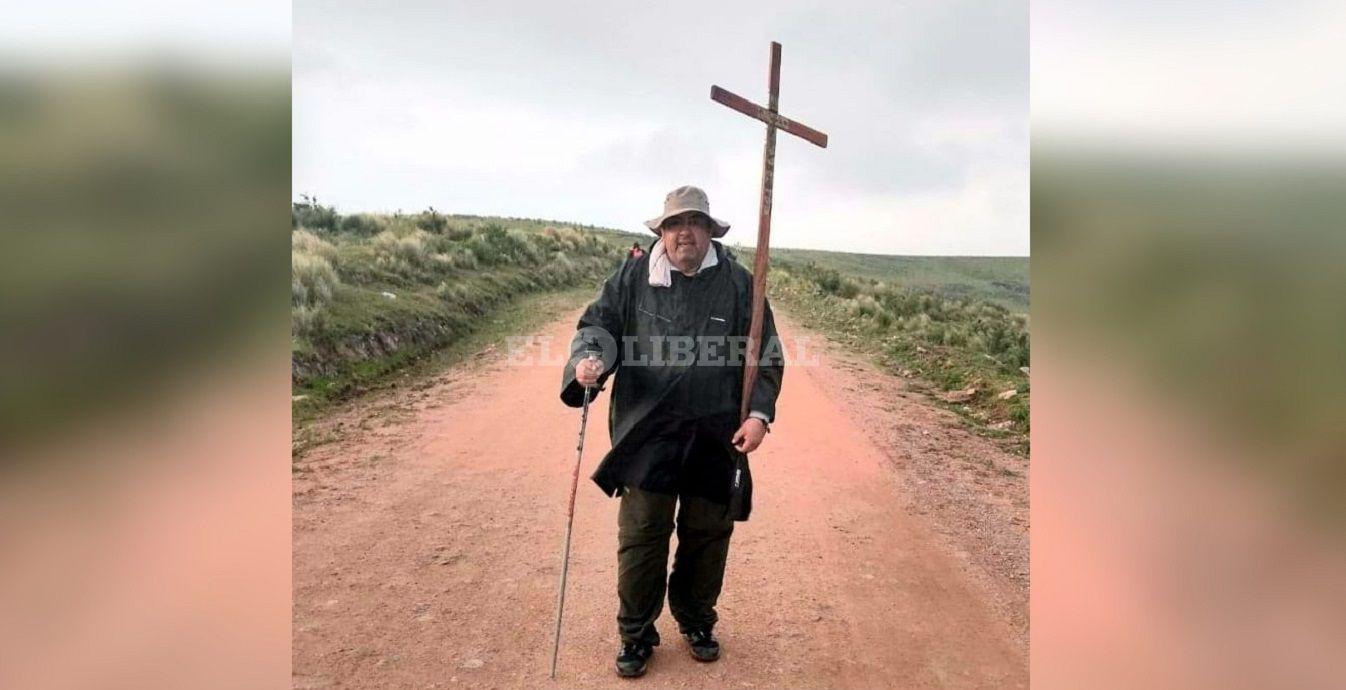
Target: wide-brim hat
x=682 y=200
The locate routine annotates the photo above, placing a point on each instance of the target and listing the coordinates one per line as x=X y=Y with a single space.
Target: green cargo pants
x=645 y=521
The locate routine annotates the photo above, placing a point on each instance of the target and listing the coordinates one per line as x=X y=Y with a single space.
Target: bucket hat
x=682 y=200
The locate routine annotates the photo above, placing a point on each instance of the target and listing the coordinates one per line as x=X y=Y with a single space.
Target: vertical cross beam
x=761 y=258
x=761 y=261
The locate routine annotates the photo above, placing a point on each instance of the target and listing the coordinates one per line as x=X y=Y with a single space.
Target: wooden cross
x=774 y=120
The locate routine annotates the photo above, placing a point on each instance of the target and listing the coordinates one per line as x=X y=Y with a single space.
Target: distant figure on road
x=667 y=322
x=635 y=252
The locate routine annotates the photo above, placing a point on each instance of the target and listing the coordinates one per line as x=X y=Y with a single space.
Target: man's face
x=686 y=238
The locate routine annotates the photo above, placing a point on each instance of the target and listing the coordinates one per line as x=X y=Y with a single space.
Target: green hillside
x=374 y=293
x=371 y=294
x=1001 y=279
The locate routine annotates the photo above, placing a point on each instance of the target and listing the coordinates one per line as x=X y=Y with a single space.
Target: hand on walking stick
x=588 y=371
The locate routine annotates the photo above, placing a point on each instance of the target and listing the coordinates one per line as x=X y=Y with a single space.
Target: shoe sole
x=637 y=674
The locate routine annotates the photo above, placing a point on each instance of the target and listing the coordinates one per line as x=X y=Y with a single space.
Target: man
x=635 y=252
x=681 y=315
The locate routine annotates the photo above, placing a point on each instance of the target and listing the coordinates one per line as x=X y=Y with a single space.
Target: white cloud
x=591 y=114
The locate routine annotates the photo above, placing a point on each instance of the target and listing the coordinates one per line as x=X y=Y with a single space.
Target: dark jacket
x=633 y=324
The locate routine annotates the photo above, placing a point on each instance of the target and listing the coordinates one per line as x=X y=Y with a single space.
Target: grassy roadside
x=521 y=316
x=971 y=355
x=374 y=294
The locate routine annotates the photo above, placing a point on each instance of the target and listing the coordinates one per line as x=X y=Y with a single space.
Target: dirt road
x=887 y=547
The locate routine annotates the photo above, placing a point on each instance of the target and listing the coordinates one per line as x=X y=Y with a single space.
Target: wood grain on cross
x=774 y=120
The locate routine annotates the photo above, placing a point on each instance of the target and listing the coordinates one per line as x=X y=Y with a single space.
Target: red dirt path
x=427 y=539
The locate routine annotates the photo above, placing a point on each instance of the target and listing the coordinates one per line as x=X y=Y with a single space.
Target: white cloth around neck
x=661 y=268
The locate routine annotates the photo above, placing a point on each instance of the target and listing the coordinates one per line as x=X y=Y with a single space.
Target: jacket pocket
x=651 y=315
x=651 y=332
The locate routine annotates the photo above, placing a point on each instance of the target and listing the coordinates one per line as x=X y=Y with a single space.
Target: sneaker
x=633 y=659
x=703 y=644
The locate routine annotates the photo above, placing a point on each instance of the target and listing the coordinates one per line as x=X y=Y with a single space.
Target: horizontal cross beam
x=777 y=120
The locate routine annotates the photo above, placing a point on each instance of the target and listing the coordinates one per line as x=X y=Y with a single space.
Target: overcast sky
x=1224 y=76
x=590 y=112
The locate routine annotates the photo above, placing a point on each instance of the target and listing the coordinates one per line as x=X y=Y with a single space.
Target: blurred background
x=1189 y=331
x=144 y=503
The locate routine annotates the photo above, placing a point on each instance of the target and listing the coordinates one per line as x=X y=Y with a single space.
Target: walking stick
x=570 y=521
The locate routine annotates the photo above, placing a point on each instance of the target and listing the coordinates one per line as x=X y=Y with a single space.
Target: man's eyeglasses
x=695 y=220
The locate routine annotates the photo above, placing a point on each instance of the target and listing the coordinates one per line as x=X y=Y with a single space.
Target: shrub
x=495 y=246
x=362 y=224
x=560 y=269
x=312 y=280
x=866 y=306
x=305 y=242
x=306 y=321
x=569 y=239
x=463 y=257
x=828 y=281
x=308 y=213
x=458 y=234
x=406 y=256
x=430 y=220
x=453 y=293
